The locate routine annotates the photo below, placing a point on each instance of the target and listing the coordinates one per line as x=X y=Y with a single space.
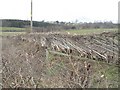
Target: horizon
x=62 y=21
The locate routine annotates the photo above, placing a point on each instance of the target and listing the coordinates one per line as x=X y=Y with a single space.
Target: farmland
x=86 y=58
x=91 y=31
x=14 y=31
x=11 y=28
x=6 y=31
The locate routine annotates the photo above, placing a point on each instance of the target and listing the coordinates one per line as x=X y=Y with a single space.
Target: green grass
x=11 y=33
x=110 y=73
x=11 y=28
x=2 y=29
x=90 y=31
x=72 y=32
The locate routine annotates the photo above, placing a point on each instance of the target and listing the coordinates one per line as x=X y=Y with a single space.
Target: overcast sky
x=62 y=10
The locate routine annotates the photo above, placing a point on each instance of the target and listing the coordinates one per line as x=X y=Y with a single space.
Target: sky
x=61 y=10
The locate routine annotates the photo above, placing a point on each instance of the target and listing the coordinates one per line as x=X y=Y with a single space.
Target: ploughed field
x=44 y=60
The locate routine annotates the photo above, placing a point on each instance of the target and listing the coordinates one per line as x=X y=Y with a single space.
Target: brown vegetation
x=55 y=60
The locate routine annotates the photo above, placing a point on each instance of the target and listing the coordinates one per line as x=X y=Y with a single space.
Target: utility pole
x=31 y=24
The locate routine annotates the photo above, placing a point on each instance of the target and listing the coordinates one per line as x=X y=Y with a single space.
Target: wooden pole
x=31 y=16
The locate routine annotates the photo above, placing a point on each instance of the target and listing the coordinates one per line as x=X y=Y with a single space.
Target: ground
x=39 y=60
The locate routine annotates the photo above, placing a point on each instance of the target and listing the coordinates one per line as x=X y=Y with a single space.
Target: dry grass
x=25 y=64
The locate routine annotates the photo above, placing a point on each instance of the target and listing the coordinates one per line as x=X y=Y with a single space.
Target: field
x=11 y=28
x=90 y=31
x=74 y=59
x=12 y=31
x=16 y=31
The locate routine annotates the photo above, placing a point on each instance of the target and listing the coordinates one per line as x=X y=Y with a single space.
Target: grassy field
x=11 y=28
x=11 y=33
x=15 y=31
x=90 y=31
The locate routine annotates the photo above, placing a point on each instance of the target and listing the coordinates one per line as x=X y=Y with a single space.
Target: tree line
x=23 y=23
x=56 y=25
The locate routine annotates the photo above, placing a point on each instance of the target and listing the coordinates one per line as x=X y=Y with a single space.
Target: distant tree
x=57 y=22
x=73 y=27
